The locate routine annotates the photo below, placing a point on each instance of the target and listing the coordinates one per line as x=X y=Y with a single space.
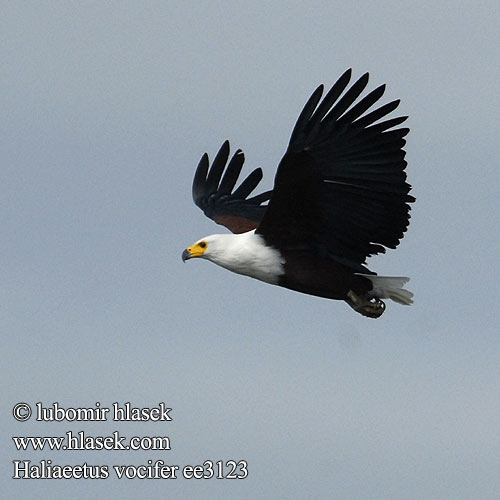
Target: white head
x=212 y=247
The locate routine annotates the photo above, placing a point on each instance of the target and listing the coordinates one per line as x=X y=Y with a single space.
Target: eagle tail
x=390 y=287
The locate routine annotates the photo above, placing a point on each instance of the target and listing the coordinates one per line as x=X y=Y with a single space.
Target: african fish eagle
x=340 y=195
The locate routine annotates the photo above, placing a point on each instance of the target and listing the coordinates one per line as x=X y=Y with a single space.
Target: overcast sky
x=106 y=109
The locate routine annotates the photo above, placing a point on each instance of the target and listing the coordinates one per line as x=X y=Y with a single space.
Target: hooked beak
x=186 y=255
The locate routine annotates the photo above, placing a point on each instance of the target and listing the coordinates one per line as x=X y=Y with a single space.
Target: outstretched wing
x=213 y=191
x=341 y=186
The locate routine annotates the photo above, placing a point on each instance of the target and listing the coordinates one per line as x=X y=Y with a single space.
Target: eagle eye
x=203 y=244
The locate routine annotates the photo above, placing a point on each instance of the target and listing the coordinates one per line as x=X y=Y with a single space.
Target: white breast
x=246 y=254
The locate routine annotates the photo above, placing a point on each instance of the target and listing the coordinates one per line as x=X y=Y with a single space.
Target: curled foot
x=370 y=307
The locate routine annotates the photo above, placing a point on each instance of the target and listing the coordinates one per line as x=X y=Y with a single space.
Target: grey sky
x=107 y=108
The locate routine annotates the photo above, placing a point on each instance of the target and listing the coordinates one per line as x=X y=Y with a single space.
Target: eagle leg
x=371 y=307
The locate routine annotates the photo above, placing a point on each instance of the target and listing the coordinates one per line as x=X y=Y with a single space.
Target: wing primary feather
x=375 y=115
x=387 y=124
x=363 y=105
x=332 y=95
x=199 y=189
x=348 y=98
x=217 y=168
x=249 y=184
x=306 y=113
x=261 y=198
x=232 y=173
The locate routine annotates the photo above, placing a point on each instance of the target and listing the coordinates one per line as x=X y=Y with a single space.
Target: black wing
x=213 y=192
x=341 y=188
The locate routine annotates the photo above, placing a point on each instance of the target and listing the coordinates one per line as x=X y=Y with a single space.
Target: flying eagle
x=340 y=195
